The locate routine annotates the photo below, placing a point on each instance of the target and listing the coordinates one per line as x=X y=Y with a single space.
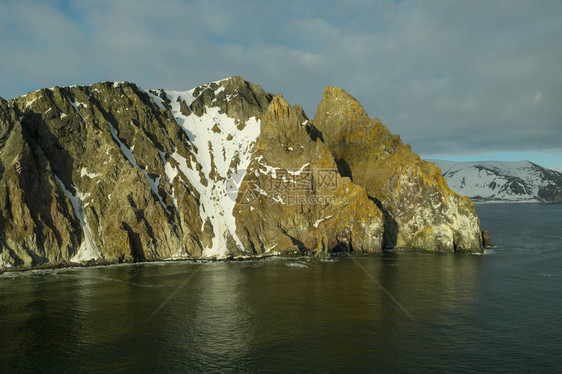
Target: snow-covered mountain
x=488 y=181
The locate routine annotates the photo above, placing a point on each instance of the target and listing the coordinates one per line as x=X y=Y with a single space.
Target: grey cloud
x=450 y=77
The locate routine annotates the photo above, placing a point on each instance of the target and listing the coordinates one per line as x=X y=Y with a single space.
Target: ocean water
x=401 y=311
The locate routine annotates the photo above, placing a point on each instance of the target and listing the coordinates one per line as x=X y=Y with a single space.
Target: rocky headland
x=113 y=173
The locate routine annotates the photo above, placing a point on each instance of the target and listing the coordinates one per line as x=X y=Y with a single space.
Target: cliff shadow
x=297 y=243
x=45 y=151
x=36 y=131
x=390 y=226
x=144 y=130
x=343 y=168
x=135 y=243
x=314 y=133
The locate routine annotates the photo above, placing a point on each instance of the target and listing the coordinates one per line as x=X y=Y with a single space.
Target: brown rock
x=486 y=239
x=412 y=193
x=111 y=173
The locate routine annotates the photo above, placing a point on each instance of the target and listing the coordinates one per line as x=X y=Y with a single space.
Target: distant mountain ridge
x=502 y=181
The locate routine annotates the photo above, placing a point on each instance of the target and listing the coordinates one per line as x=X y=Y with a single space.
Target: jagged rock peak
x=236 y=83
x=284 y=122
x=234 y=96
x=279 y=101
x=409 y=190
x=336 y=101
x=280 y=108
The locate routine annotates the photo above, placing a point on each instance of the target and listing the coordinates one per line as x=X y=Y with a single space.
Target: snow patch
x=75 y=105
x=269 y=249
x=298 y=172
x=219 y=81
x=84 y=171
x=268 y=168
x=318 y=221
x=157 y=99
x=88 y=249
x=3 y=263
x=171 y=172
x=259 y=190
x=214 y=156
x=29 y=103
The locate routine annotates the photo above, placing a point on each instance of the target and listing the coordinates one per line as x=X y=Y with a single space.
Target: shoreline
x=228 y=259
x=101 y=263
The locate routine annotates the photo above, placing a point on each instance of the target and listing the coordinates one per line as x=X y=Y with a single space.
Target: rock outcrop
x=298 y=198
x=486 y=239
x=420 y=210
x=114 y=173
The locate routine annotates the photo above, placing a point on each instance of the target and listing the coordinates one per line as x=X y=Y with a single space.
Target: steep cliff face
x=93 y=178
x=114 y=173
x=295 y=198
x=420 y=210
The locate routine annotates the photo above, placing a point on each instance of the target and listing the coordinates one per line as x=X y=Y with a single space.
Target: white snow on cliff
x=223 y=151
x=88 y=249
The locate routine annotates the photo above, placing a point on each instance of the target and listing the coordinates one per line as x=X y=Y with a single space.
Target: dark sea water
x=406 y=312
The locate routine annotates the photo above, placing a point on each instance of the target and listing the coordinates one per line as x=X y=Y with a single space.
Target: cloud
x=449 y=77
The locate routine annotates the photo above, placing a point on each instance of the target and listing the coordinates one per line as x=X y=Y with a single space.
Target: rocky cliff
x=420 y=210
x=114 y=173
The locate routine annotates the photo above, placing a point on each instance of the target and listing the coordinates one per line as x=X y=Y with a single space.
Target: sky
x=458 y=80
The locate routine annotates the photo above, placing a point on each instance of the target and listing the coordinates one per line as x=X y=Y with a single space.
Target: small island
x=113 y=173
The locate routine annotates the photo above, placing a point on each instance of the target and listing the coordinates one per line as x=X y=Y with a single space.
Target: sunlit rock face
x=114 y=173
x=421 y=211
